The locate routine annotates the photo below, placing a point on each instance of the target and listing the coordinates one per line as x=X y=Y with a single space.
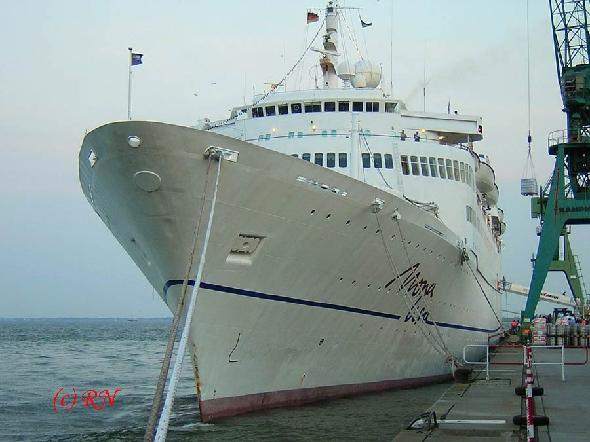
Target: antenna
x=424 y=81
x=391 y=52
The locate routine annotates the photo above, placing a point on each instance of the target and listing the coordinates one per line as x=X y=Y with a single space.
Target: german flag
x=312 y=17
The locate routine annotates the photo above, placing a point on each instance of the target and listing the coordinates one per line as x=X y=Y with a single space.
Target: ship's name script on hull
x=415 y=289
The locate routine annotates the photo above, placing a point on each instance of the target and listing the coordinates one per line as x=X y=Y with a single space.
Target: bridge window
x=377 y=161
x=324 y=133
x=462 y=170
x=342 y=160
x=295 y=108
x=405 y=165
x=441 y=168
x=291 y=134
x=414 y=163
x=270 y=111
x=313 y=107
x=267 y=137
x=456 y=170
x=319 y=159
x=366 y=160
x=424 y=166
x=257 y=112
x=388 y=161
x=449 y=164
x=283 y=109
x=372 y=106
x=432 y=164
x=343 y=106
x=333 y=132
x=357 y=106
x=390 y=107
x=299 y=134
x=306 y=156
x=329 y=106
x=331 y=159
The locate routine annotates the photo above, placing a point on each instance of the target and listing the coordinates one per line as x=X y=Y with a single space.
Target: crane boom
x=566 y=199
x=569 y=20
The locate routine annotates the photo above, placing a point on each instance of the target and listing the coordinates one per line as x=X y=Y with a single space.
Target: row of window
x=437 y=167
x=411 y=165
x=318 y=159
x=379 y=161
x=300 y=134
x=316 y=106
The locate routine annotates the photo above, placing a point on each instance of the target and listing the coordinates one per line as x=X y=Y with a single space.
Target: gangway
x=522 y=290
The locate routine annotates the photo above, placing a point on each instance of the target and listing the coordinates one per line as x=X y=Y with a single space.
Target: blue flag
x=136 y=59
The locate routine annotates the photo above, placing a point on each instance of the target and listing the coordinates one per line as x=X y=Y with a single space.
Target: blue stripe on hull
x=286 y=299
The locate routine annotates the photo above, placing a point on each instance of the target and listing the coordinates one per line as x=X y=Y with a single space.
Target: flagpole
x=129 y=85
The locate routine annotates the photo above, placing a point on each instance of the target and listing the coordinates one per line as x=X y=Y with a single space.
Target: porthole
x=347 y=222
x=354 y=281
x=378 y=230
x=328 y=215
x=312 y=212
x=365 y=228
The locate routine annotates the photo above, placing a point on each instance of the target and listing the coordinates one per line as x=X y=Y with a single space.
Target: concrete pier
x=482 y=410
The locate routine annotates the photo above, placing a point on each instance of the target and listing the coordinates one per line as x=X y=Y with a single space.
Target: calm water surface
x=38 y=356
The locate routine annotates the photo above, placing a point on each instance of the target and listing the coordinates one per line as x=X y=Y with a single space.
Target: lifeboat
x=492 y=196
x=484 y=178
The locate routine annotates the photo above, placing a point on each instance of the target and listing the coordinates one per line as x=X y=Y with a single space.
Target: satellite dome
x=345 y=71
x=367 y=74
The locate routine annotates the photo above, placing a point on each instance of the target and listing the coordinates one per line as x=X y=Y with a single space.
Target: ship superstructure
x=355 y=244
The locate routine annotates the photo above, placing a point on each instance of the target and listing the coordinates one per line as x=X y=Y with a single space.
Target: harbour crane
x=565 y=200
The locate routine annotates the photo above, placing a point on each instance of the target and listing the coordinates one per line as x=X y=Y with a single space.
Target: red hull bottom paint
x=213 y=409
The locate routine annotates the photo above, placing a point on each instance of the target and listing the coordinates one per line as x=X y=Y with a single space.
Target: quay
x=483 y=409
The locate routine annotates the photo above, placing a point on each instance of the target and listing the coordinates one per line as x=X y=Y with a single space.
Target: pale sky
x=64 y=71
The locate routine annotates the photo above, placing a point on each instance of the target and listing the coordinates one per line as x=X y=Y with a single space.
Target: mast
x=330 y=54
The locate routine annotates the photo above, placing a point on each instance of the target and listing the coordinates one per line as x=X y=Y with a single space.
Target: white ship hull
x=311 y=307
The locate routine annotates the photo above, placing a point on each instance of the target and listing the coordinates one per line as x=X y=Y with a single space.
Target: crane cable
x=529 y=168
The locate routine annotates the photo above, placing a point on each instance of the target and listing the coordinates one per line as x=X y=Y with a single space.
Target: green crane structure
x=566 y=198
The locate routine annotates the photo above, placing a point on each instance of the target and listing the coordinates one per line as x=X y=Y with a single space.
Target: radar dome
x=345 y=71
x=367 y=74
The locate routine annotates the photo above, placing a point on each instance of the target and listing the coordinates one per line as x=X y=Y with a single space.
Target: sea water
x=38 y=357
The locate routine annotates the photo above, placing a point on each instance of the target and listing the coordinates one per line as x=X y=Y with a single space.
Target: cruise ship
x=355 y=244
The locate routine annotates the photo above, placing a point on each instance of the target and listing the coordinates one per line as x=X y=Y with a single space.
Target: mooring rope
x=412 y=308
x=159 y=394
x=442 y=343
x=485 y=296
x=162 y=429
